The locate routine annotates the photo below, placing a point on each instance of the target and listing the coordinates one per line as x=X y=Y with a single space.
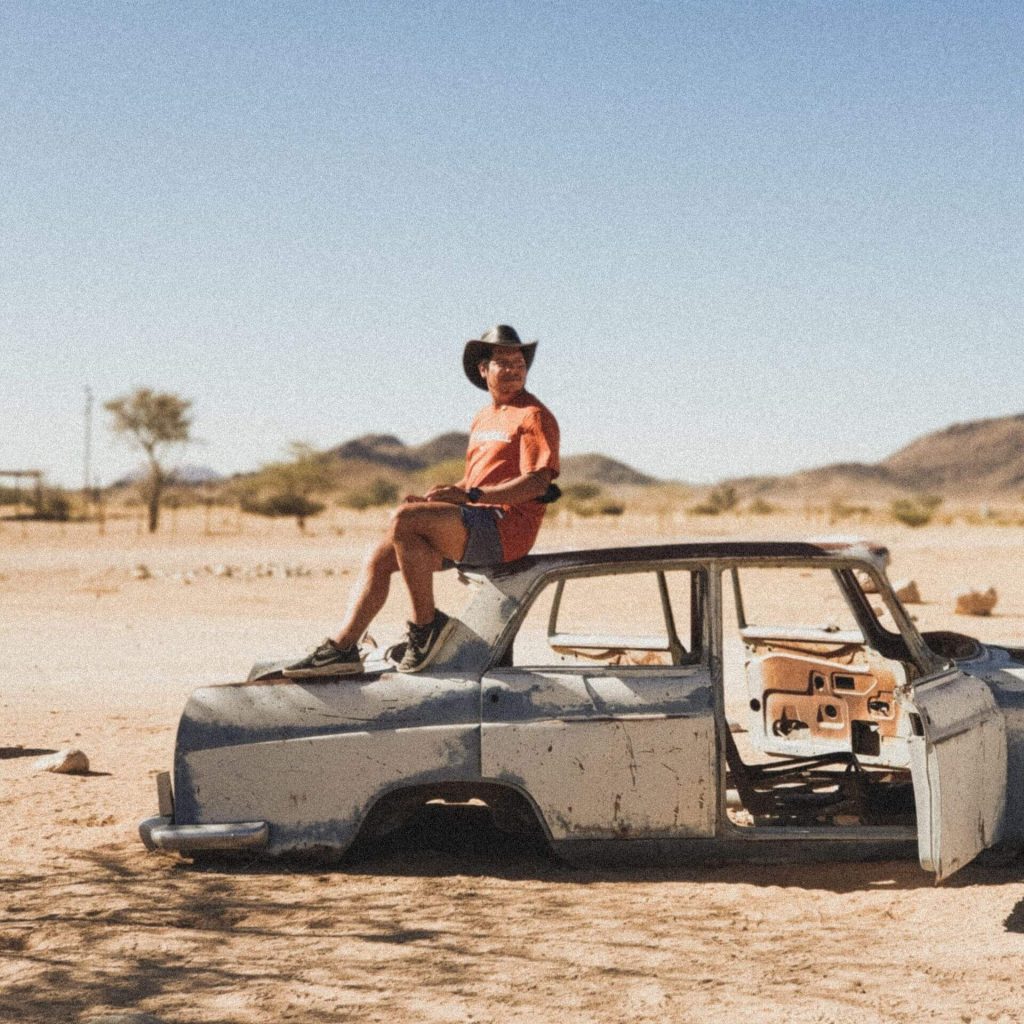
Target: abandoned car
x=681 y=701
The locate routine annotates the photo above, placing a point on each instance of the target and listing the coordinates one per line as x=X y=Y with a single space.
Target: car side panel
x=614 y=754
x=313 y=792
x=308 y=757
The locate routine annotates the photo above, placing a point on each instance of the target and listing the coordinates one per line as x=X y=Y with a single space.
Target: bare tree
x=154 y=421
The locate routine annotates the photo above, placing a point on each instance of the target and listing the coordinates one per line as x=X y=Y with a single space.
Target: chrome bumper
x=160 y=833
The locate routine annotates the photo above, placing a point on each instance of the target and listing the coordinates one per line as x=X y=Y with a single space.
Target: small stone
x=907 y=591
x=63 y=762
x=141 y=572
x=867 y=583
x=976 y=602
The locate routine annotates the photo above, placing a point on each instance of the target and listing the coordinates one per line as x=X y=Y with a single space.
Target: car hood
x=1002 y=667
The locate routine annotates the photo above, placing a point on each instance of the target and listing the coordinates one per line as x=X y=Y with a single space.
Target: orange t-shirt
x=505 y=442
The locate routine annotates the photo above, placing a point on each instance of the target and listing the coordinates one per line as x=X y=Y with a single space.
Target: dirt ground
x=447 y=923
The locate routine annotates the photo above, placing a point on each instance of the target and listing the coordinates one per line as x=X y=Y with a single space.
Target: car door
x=958 y=762
x=604 y=717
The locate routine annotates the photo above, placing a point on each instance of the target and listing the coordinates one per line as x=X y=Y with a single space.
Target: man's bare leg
x=423 y=534
x=420 y=536
x=369 y=593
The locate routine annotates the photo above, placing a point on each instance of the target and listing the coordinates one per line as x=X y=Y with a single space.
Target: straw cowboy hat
x=481 y=348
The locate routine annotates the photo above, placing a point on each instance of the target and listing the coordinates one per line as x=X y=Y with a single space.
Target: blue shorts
x=484 y=544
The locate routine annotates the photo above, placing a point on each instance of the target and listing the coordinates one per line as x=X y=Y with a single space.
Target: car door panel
x=958 y=761
x=615 y=754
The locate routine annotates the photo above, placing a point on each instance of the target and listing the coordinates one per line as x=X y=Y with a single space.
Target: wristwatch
x=474 y=494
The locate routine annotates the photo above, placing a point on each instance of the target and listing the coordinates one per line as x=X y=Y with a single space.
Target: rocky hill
x=983 y=458
x=600 y=469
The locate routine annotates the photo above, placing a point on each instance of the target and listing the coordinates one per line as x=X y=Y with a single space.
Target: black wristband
x=474 y=494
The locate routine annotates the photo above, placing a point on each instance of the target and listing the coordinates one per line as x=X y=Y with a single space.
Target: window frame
x=698 y=654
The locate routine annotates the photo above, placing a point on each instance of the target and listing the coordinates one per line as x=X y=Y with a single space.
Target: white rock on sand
x=976 y=602
x=64 y=762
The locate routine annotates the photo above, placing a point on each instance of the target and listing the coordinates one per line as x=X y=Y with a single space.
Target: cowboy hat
x=481 y=348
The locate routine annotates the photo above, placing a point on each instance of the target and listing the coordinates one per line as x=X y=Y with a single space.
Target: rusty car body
x=645 y=702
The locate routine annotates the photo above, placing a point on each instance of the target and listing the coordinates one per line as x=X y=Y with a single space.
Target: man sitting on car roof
x=492 y=515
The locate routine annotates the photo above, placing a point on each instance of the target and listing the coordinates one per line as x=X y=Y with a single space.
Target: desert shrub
x=284 y=504
x=721 y=499
x=377 y=492
x=580 y=492
x=917 y=511
x=760 y=507
x=287 y=488
x=585 y=500
x=839 y=509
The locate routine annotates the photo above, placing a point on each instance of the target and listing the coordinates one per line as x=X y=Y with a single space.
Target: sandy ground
x=446 y=924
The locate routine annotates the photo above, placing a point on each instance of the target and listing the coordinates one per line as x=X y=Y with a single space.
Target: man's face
x=505 y=372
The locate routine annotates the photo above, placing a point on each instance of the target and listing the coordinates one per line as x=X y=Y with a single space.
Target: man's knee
x=421 y=518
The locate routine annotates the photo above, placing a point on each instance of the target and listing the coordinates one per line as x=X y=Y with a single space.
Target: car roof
x=825 y=549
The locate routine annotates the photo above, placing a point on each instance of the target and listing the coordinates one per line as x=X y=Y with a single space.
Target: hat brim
x=476 y=351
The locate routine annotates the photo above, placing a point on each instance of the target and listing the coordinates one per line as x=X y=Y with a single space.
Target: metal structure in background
x=37 y=489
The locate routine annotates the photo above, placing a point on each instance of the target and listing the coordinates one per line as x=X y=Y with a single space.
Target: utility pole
x=87 y=454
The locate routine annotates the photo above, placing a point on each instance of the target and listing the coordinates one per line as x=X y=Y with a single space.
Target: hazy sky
x=751 y=237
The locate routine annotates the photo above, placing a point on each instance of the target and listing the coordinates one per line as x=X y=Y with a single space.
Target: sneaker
x=423 y=642
x=327 y=660
x=396 y=652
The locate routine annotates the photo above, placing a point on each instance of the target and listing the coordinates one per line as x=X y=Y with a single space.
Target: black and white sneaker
x=423 y=642
x=327 y=660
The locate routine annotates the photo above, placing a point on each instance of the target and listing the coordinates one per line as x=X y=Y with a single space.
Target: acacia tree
x=154 y=421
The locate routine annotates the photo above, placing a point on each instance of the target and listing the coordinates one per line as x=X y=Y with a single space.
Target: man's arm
x=509 y=492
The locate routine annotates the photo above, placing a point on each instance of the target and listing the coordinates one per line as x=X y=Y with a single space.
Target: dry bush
x=379 y=491
x=917 y=511
x=721 y=499
x=839 y=509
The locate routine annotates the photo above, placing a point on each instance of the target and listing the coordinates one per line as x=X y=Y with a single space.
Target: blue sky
x=751 y=237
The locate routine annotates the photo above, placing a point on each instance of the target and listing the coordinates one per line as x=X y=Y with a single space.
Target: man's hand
x=447 y=493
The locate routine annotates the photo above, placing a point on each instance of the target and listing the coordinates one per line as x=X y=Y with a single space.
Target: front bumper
x=160 y=833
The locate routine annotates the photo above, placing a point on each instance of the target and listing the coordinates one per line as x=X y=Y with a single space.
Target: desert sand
x=449 y=924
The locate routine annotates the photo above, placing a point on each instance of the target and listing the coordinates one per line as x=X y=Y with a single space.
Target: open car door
x=958 y=761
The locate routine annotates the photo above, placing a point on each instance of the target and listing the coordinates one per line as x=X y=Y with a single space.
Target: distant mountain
x=443 y=448
x=986 y=456
x=387 y=451
x=979 y=458
x=600 y=469
x=186 y=475
x=379 y=450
